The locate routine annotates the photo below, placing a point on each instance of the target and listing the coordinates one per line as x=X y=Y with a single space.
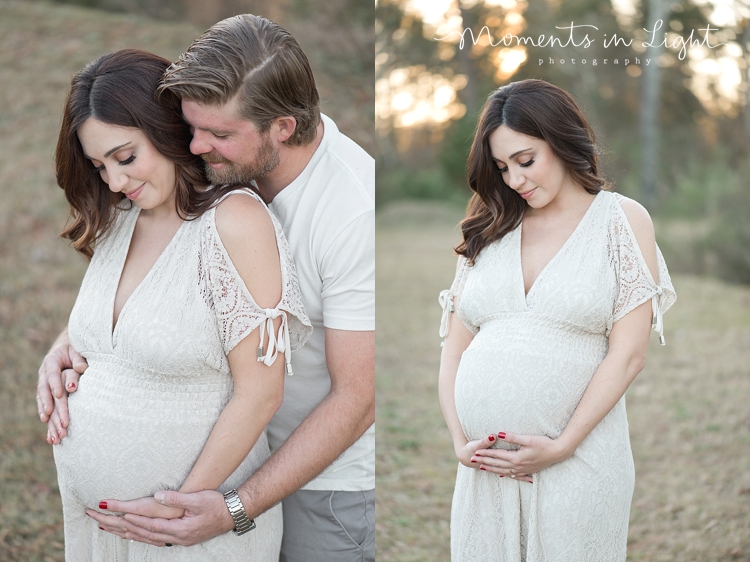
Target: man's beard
x=232 y=173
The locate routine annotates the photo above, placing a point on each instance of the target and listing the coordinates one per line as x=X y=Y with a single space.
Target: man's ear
x=283 y=128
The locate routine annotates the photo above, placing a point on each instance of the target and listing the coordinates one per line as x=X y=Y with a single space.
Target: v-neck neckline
x=121 y=268
x=567 y=242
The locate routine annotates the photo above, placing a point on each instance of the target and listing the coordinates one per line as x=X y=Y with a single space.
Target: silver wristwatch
x=241 y=522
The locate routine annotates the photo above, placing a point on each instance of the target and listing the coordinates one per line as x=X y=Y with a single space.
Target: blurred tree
x=745 y=43
x=665 y=117
x=627 y=105
x=650 y=105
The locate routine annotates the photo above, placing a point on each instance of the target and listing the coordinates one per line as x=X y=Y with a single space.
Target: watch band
x=241 y=522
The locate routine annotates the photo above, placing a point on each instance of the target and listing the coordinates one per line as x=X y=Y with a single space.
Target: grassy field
x=41 y=46
x=688 y=410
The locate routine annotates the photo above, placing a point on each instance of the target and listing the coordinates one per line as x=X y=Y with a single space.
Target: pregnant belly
x=131 y=435
x=521 y=388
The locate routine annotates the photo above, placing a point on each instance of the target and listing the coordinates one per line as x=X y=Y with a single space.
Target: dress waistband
x=106 y=366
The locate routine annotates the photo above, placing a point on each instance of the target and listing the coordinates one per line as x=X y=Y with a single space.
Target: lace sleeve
x=449 y=299
x=237 y=313
x=635 y=284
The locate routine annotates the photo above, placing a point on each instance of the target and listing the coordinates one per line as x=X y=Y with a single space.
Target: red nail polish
x=491 y=438
x=72 y=386
x=501 y=475
x=472 y=460
x=102 y=528
x=501 y=435
x=482 y=468
x=102 y=505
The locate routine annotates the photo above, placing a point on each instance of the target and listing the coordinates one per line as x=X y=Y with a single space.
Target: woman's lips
x=133 y=194
x=528 y=194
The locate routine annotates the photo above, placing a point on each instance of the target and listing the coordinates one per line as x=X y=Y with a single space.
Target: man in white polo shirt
x=249 y=95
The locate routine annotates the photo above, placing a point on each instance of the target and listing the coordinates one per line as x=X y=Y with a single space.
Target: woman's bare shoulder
x=638 y=217
x=247 y=233
x=242 y=214
x=643 y=228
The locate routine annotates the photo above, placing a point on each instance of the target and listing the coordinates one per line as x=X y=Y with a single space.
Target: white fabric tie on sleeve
x=446 y=302
x=277 y=343
x=657 y=322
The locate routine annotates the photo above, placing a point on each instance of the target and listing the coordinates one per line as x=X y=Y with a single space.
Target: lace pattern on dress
x=449 y=299
x=526 y=371
x=635 y=283
x=237 y=313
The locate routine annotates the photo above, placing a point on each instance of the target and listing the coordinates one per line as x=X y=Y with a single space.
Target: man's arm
x=338 y=421
x=330 y=429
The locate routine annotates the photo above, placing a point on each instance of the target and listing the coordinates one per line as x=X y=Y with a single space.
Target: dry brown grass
x=688 y=410
x=41 y=46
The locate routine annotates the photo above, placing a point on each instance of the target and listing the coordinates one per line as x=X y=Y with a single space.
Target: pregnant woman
x=546 y=324
x=188 y=306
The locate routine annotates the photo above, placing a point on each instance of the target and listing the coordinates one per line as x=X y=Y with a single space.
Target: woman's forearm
x=609 y=383
x=626 y=357
x=446 y=393
x=455 y=344
x=236 y=431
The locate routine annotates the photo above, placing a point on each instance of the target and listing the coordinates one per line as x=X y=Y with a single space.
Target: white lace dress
x=525 y=371
x=156 y=385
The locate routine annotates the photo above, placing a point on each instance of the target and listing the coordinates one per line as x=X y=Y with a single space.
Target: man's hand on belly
x=205 y=516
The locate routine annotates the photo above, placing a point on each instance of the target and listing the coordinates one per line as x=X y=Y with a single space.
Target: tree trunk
x=650 y=101
x=469 y=96
x=746 y=53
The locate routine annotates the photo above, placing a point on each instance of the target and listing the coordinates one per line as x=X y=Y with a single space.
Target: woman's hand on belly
x=467 y=454
x=537 y=452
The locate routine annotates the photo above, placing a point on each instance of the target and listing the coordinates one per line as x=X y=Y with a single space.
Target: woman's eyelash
x=523 y=165
x=125 y=162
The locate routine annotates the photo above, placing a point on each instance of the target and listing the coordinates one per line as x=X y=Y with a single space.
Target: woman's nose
x=116 y=181
x=515 y=179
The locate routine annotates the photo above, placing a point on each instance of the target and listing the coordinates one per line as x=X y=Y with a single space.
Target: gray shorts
x=329 y=527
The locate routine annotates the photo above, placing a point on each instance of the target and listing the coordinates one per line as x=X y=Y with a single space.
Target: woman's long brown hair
x=118 y=89
x=536 y=109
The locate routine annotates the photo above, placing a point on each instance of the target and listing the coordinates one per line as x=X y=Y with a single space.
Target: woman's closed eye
x=522 y=164
x=125 y=162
